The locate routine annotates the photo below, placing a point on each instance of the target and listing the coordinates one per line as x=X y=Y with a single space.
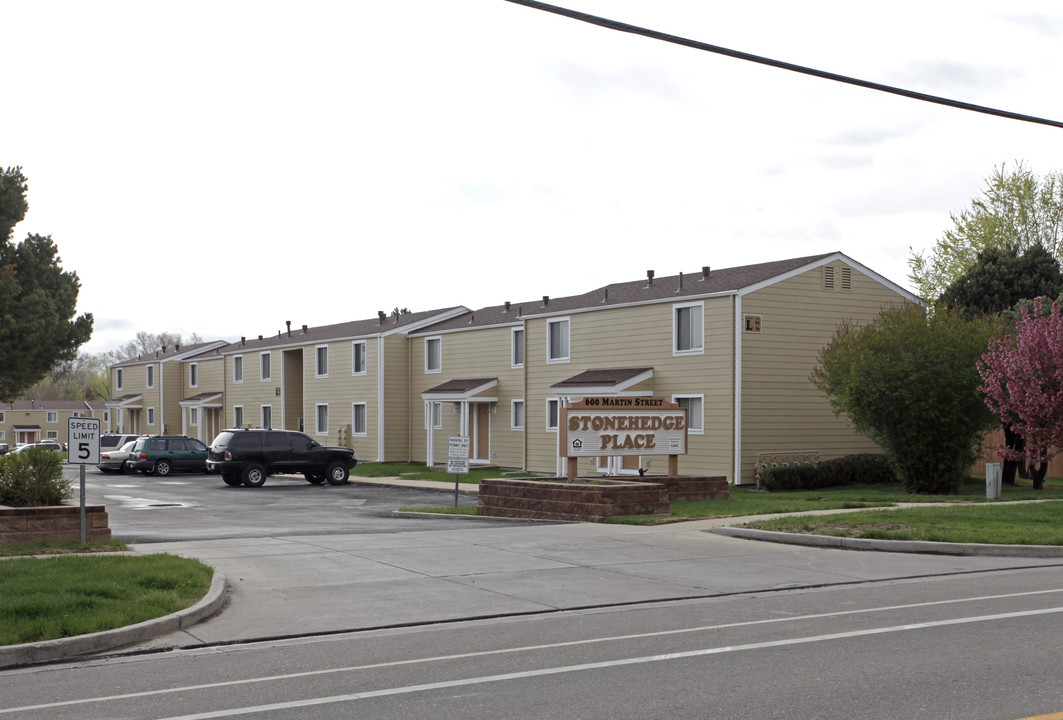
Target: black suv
x=248 y=457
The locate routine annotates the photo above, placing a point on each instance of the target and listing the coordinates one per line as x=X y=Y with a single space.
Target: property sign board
x=606 y=426
x=83 y=441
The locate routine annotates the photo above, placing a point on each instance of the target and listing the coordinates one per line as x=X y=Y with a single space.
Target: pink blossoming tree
x=1022 y=379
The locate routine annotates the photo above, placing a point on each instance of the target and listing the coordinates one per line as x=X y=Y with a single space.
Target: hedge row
x=33 y=479
x=848 y=470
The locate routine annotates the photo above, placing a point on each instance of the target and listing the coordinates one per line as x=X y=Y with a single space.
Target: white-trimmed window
x=695 y=407
x=517 y=342
x=516 y=415
x=2 y=416
x=193 y=375
x=118 y=378
x=151 y=376
x=321 y=361
x=238 y=369
x=193 y=417
x=265 y=368
x=433 y=416
x=557 y=349
x=267 y=416
x=358 y=419
x=321 y=418
x=359 y=366
x=433 y=355
x=52 y=416
x=553 y=413
x=688 y=329
x=238 y=416
x=151 y=416
x=3 y=433
x=51 y=435
x=106 y=417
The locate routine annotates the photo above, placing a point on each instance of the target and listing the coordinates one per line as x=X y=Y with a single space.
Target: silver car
x=113 y=461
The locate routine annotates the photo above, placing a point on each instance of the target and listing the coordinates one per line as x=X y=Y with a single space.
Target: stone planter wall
x=53 y=523
x=562 y=499
x=692 y=487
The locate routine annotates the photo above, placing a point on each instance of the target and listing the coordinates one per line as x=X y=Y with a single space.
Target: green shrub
x=33 y=478
x=848 y=470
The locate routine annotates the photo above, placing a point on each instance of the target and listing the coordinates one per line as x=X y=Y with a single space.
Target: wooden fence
x=989 y=454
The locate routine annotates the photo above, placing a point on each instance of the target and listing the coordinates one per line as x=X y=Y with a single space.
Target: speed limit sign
x=83 y=441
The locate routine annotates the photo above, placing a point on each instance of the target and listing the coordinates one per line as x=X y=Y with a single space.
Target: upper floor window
x=151 y=376
x=193 y=375
x=433 y=355
x=238 y=370
x=358 y=360
x=52 y=416
x=689 y=334
x=557 y=340
x=321 y=361
x=2 y=417
x=118 y=378
x=695 y=407
x=265 y=364
x=517 y=359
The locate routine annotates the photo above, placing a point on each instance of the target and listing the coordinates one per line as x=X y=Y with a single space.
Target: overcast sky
x=222 y=167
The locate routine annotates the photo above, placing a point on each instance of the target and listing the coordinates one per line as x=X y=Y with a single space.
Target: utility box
x=992 y=481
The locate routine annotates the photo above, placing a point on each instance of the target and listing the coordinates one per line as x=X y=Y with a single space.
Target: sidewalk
x=291 y=586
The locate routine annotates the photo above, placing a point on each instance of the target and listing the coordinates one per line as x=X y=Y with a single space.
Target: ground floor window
x=516 y=417
x=322 y=419
x=358 y=419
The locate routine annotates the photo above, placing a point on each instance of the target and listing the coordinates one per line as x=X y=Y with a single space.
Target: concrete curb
x=905 y=546
x=49 y=650
x=455 y=516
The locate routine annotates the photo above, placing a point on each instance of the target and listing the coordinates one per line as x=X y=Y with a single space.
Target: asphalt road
x=144 y=508
x=979 y=646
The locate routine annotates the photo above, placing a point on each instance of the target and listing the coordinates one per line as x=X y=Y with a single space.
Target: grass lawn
x=67 y=595
x=1027 y=524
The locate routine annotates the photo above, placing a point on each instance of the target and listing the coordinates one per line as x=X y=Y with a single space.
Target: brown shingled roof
x=673 y=287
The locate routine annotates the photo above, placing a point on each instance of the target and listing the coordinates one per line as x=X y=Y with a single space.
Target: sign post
x=82 y=448
x=457 y=459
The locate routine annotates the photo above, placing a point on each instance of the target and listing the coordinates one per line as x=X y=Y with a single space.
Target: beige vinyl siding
x=170 y=384
x=782 y=411
x=397 y=419
x=250 y=394
x=211 y=376
x=476 y=353
x=640 y=337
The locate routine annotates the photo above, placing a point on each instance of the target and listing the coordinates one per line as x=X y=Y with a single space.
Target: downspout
x=738 y=390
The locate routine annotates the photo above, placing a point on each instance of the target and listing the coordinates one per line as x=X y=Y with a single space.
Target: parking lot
x=144 y=508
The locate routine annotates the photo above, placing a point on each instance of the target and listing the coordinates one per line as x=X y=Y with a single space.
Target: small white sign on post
x=457 y=459
x=82 y=448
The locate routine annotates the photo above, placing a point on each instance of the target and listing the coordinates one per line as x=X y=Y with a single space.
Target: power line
x=645 y=32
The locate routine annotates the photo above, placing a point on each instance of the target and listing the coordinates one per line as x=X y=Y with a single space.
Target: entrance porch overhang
x=606 y=381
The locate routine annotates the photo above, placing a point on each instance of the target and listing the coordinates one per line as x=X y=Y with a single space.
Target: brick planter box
x=692 y=487
x=563 y=499
x=52 y=523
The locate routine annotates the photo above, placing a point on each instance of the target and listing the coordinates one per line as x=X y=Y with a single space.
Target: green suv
x=165 y=454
